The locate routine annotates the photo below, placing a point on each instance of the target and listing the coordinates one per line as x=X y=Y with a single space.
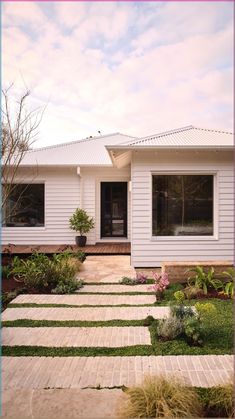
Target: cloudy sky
x=136 y=68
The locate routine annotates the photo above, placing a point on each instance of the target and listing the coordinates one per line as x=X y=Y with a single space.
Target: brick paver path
x=109 y=337
x=115 y=288
x=85 y=313
x=76 y=299
x=79 y=372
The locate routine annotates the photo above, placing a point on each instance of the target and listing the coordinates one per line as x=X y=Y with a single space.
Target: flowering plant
x=141 y=278
x=161 y=282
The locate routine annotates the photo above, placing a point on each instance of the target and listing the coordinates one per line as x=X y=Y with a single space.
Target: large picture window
x=182 y=205
x=24 y=206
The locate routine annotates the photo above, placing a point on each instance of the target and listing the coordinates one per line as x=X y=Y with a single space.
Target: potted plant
x=81 y=222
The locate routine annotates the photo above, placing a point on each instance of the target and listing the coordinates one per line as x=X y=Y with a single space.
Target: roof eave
x=170 y=147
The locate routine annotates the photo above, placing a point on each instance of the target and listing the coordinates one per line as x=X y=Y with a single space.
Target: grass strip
x=70 y=323
x=35 y=305
x=76 y=351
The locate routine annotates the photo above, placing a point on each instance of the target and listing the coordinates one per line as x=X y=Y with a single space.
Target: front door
x=113 y=209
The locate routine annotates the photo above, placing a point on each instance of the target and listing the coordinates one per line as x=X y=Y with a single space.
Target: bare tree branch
x=19 y=131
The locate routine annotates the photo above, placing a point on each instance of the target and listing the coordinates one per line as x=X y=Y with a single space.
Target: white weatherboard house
x=171 y=195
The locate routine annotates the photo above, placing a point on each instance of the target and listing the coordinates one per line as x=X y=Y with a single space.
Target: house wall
x=62 y=197
x=65 y=191
x=148 y=251
x=91 y=179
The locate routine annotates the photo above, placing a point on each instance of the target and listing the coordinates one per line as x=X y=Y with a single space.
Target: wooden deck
x=97 y=249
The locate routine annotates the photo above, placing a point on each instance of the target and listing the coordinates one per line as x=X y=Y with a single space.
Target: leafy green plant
x=180 y=311
x=170 y=328
x=41 y=273
x=204 y=280
x=127 y=281
x=229 y=286
x=6 y=271
x=193 y=330
x=205 y=310
x=81 y=222
x=80 y=255
x=221 y=402
x=179 y=297
x=160 y=397
x=67 y=286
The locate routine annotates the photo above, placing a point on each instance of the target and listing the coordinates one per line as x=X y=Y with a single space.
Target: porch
x=97 y=249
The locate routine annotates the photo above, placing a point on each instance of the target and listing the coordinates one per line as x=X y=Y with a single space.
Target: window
x=182 y=205
x=25 y=206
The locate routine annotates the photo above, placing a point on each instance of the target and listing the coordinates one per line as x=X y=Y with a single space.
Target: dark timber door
x=113 y=209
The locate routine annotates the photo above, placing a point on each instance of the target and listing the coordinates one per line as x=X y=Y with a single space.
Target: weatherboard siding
x=62 y=197
x=151 y=252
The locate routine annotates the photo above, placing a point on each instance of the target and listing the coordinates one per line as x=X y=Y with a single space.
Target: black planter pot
x=80 y=241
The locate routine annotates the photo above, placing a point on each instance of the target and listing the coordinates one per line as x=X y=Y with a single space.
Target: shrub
x=221 y=403
x=81 y=222
x=43 y=274
x=127 y=281
x=179 y=296
x=205 y=310
x=67 y=286
x=193 y=331
x=181 y=312
x=148 y=321
x=160 y=397
x=170 y=328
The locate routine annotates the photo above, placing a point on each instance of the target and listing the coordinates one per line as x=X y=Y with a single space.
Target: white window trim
x=215 y=235
x=42 y=228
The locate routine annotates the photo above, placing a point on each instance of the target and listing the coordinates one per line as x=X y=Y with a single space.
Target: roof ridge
x=214 y=130
x=83 y=140
x=164 y=133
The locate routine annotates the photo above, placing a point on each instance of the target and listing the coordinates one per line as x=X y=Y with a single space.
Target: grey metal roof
x=189 y=136
x=90 y=151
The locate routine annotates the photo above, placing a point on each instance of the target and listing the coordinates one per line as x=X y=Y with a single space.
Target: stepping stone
x=109 y=337
x=84 y=313
x=76 y=299
x=115 y=288
x=80 y=372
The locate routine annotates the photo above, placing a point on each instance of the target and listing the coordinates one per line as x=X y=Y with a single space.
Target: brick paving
x=85 y=313
x=115 y=288
x=109 y=337
x=76 y=299
x=80 y=372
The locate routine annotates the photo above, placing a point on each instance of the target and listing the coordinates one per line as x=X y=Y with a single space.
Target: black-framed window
x=25 y=206
x=182 y=205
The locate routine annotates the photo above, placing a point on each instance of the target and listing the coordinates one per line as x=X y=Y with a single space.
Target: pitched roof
x=90 y=151
x=189 y=136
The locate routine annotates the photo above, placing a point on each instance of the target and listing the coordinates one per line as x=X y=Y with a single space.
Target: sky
x=138 y=68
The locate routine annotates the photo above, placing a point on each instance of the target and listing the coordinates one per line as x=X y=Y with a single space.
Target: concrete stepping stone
x=115 y=288
x=81 y=372
x=109 y=337
x=84 y=313
x=71 y=403
x=76 y=299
